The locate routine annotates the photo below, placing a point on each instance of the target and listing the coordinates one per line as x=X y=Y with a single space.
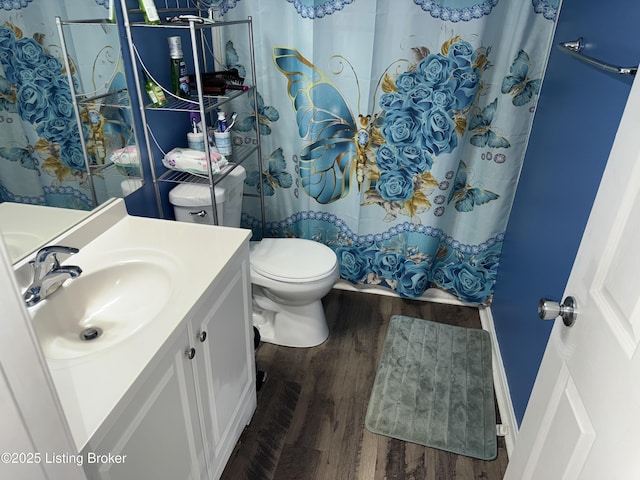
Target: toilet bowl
x=289 y=276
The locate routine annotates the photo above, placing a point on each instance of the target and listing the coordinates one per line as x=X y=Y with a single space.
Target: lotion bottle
x=155 y=93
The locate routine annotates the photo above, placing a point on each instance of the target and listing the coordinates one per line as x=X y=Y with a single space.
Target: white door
x=583 y=418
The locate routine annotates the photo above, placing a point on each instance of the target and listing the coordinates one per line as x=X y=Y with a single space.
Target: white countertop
x=90 y=387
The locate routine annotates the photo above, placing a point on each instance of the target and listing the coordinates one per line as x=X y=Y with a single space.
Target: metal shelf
x=186 y=24
x=96 y=164
x=240 y=154
x=173 y=176
x=92 y=21
x=204 y=104
x=210 y=102
x=110 y=169
x=121 y=99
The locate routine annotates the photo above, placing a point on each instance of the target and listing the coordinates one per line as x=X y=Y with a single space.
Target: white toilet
x=289 y=276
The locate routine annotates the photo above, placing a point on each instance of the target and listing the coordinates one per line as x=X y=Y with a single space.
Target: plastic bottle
x=149 y=11
x=179 y=77
x=222 y=124
x=155 y=93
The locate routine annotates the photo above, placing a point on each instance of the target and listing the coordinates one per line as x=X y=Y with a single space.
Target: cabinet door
x=226 y=368
x=158 y=430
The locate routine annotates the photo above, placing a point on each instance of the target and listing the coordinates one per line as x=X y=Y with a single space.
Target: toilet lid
x=292 y=259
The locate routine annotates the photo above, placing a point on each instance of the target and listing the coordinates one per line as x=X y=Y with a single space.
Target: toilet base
x=289 y=325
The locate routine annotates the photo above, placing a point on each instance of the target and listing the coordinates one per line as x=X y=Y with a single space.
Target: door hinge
x=502 y=430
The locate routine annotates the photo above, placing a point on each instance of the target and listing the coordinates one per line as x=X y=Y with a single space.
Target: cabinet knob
x=190 y=353
x=202 y=336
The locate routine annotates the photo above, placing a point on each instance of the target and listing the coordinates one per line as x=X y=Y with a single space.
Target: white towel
x=126 y=157
x=193 y=161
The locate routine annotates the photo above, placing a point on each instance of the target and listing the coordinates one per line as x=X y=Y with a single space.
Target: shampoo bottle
x=150 y=12
x=179 y=77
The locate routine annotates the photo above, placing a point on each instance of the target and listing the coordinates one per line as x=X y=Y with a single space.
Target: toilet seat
x=292 y=260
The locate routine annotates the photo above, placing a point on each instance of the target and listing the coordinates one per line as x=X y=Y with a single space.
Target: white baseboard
x=500 y=384
x=431 y=295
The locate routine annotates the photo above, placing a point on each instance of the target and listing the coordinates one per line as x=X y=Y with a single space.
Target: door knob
x=549 y=310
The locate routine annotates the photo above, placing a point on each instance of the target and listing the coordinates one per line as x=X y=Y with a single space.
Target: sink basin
x=103 y=306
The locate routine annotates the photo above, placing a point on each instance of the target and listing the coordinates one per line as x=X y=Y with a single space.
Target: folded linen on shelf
x=126 y=160
x=193 y=161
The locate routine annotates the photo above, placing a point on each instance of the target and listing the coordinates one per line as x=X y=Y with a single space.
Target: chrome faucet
x=48 y=274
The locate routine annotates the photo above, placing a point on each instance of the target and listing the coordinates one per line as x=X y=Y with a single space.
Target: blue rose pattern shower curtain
x=41 y=160
x=394 y=132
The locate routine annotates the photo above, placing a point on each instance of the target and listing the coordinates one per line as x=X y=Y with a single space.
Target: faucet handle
x=44 y=252
x=46 y=260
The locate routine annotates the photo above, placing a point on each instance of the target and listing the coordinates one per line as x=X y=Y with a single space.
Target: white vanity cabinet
x=224 y=365
x=157 y=426
x=184 y=414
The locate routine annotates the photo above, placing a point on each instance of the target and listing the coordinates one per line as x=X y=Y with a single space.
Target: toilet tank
x=192 y=201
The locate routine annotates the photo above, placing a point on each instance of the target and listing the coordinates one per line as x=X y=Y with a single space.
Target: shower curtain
x=41 y=160
x=394 y=132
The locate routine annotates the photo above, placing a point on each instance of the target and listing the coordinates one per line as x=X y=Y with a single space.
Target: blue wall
x=573 y=131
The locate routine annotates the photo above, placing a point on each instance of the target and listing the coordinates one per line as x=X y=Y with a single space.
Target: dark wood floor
x=309 y=423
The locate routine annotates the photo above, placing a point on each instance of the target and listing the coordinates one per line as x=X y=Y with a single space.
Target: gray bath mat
x=434 y=387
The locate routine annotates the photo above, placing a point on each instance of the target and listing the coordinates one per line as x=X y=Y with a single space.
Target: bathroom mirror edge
x=52 y=223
